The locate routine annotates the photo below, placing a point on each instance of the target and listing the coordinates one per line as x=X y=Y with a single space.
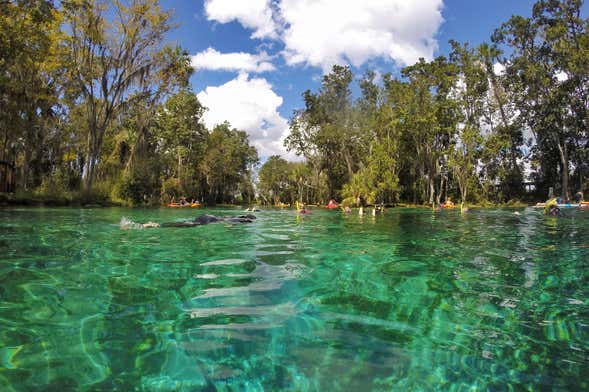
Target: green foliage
x=548 y=79
x=227 y=164
x=275 y=180
x=360 y=190
x=137 y=189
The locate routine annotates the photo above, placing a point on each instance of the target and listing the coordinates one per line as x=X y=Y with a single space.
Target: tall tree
x=502 y=153
x=430 y=119
x=548 y=74
x=113 y=48
x=469 y=93
x=29 y=83
x=325 y=132
x=227 y=163
x=275 y=177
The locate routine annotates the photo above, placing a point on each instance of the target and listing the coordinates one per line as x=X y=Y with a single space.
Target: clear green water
x=407 y=302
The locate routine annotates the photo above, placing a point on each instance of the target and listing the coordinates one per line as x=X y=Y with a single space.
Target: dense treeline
x=95 y=105
x=476 y=125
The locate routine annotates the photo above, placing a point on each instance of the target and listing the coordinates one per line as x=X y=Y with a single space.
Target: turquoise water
x=409 y=301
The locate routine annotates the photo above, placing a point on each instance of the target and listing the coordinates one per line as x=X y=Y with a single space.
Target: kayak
x=567 y=205
x=332 y=205
x=178 y=205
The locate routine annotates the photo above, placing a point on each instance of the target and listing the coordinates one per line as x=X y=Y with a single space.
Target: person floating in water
x=448 y=204
x=378 y=209
x=301 y=210
x=551 y=207
x=127 y=224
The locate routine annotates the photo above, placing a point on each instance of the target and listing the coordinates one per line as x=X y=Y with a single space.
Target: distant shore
x=14 y=200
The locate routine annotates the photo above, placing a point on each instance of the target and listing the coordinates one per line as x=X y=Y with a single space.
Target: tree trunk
x=564 y=165
x=463 y=190
x=349 y=166
x=25 y=168
x=89 y=171
x=88 y=174
x=432 y=189
x=439 y=195
x=179 y=167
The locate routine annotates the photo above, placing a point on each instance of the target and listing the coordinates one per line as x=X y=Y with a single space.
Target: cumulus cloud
x=213 y=60
x=251 y=105
x=325 y=32
x=252 y=14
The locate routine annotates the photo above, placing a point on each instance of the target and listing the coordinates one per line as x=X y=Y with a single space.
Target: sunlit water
x=408 y=301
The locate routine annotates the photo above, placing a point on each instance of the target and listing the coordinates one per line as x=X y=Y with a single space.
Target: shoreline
x=12 y=201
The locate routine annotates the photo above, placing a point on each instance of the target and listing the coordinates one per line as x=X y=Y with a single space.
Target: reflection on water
x=412 y=300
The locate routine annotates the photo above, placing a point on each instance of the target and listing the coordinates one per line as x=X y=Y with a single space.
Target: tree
x=380 y=124
x=325 y=132
x=275 y=180
x=501 y=155
x=470 y=94
x=29 y=83
x=110 y=61
x=183 y=139
x=548 y=73
x=227 y=163
x=429 y=120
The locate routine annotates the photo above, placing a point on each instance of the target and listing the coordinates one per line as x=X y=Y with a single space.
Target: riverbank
x=32 y=199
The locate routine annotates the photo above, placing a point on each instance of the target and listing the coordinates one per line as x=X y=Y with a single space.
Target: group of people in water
x=551 y=208
x=302 y=210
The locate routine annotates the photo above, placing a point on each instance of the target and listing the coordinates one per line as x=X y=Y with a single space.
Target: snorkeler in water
x=127 y=224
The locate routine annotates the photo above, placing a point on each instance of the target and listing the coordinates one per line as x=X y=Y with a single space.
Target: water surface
x=407 y=301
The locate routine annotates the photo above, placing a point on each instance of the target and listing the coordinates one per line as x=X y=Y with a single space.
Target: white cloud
x=498 y=69
x=562 y=76
x=324 y=32
x=213 y=60
x=251 y=105
x=252 y=14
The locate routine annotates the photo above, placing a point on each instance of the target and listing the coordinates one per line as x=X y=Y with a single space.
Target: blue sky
x=254 y=58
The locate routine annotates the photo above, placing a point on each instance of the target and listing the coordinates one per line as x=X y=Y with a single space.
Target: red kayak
x=331 y=205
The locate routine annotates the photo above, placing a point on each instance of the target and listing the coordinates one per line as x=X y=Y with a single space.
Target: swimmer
x=301 y=210
x=126 y=224
x=206 y=219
